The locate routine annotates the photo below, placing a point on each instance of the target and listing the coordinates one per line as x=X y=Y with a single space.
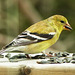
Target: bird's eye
x=62 y=21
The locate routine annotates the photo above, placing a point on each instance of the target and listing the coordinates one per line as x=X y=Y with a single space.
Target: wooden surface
x=30 y=67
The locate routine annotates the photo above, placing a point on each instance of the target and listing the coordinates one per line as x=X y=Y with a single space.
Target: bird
x=39 y=36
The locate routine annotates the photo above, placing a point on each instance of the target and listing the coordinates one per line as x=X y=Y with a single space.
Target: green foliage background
x=17 y=15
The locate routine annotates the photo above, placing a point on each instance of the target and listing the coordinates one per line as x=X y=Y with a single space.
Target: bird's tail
x=2 y=51
x=9 y=50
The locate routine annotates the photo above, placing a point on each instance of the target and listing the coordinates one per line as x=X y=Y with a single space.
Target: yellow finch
x=39 y=36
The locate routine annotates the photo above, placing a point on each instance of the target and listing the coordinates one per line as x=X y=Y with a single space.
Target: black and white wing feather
x=27 y=38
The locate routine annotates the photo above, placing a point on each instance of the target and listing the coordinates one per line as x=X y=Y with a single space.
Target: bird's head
x=61 y=22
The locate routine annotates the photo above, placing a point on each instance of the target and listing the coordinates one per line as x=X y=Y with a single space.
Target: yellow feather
x=52 y=24
x=55 y=23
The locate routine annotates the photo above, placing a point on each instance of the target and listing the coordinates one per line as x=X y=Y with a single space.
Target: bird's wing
x=27 y=38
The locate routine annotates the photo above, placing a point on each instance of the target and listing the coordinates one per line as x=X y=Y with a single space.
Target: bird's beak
x=67 y=27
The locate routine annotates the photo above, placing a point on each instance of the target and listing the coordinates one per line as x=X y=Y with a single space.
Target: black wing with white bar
x=27 y=38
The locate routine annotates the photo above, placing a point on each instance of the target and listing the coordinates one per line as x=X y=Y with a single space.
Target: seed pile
x=60 y=57
x=48 y=58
